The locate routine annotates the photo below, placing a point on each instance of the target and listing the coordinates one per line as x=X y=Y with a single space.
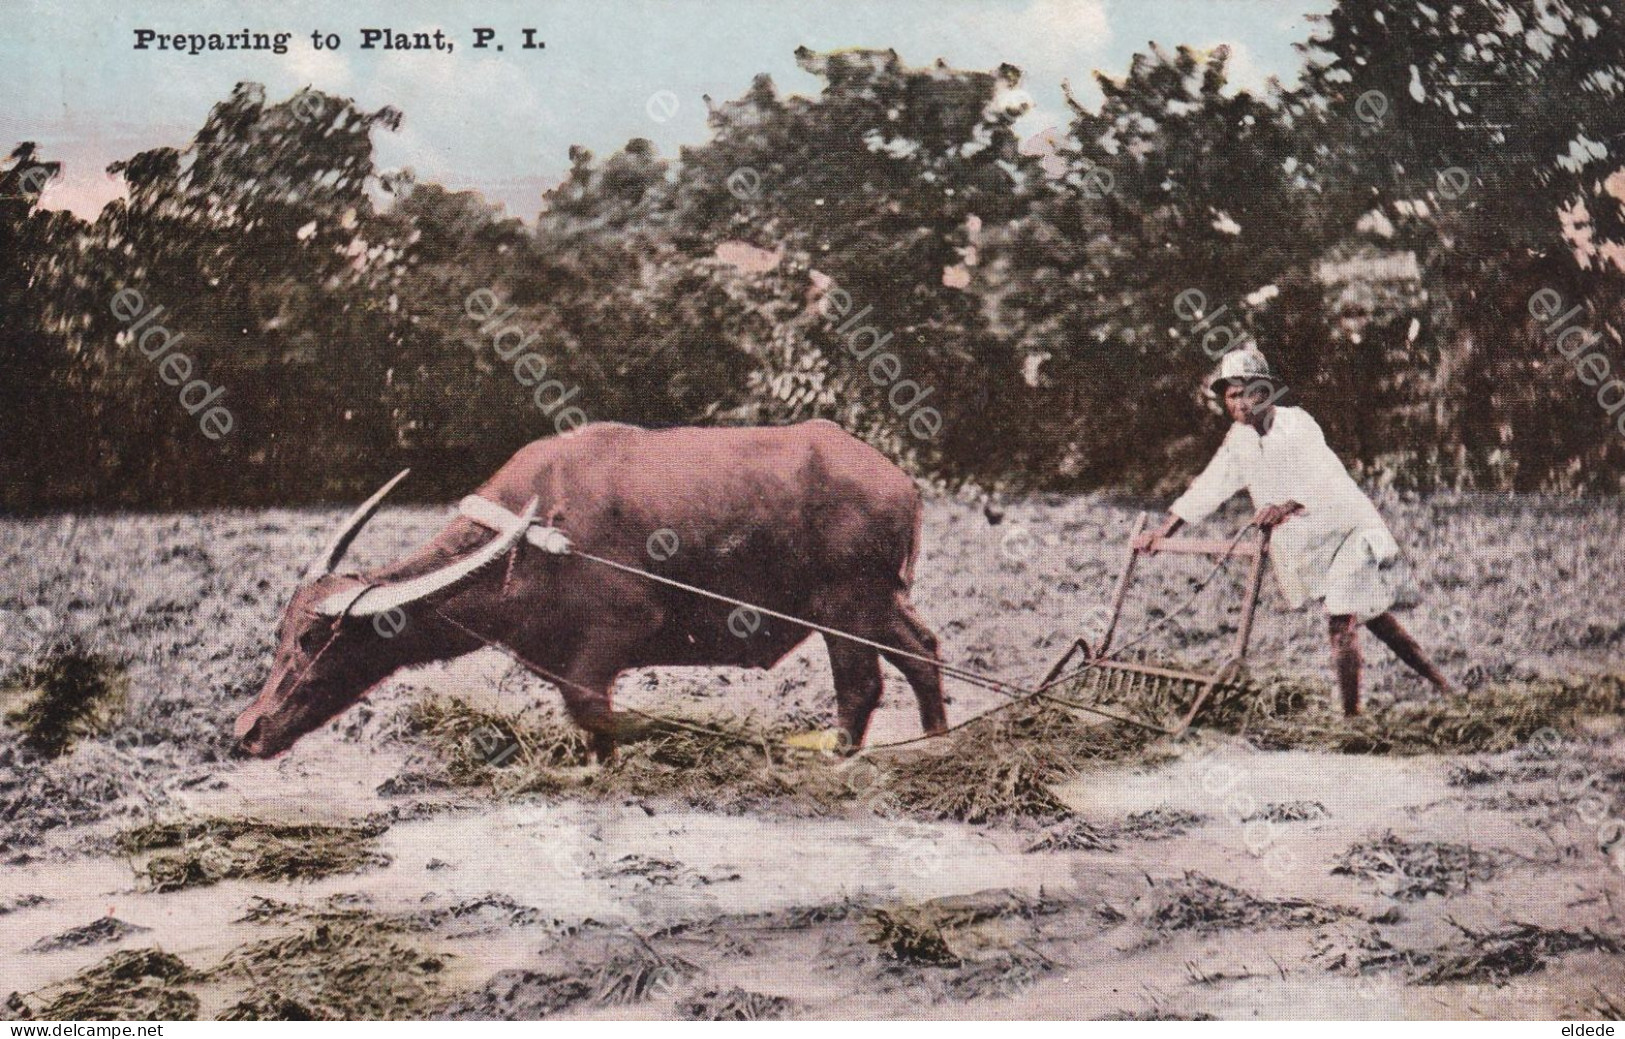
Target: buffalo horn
x=373 y=601
x=330 y=556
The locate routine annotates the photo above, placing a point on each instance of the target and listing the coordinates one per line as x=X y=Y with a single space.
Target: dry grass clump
x=334 y=908
x=1518 y=949
x=520 y=995
x=469 y=916
x=635 y=975
x=1288 y=812
x=1153 y=824
x=1355 y=947
x=630 y=975
x=484 y=748
x=1073 y=835
x=337 y=970
x=997 y=768
x=69 y=695
x=918 y=933
x=735 y=1004
x=99 y=931
x=962 y=947
x=1490 y=720
x=345 y=961
x=1004 y=975
x=719 y=764
x=137 y=984
x=207 y=851
x=1409 y=870
x=1001 y=767
x=729 y=765
x=272 y=1006
x=1476 y=956
x=799 y=918
x=947 y=932
x=16 y=902
x=1200 y=903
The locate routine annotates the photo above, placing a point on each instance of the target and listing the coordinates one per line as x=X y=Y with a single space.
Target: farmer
x=1328 y=541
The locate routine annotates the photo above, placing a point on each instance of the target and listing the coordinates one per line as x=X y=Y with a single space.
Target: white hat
x=1242 y=365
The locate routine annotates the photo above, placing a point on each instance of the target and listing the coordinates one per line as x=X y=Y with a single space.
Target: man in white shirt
x=1328 y=541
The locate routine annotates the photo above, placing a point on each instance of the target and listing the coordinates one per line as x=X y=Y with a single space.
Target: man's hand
x=1272 y=516
x=1149 y=540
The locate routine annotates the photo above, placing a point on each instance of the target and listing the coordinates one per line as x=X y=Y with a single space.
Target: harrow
x=1158 y=689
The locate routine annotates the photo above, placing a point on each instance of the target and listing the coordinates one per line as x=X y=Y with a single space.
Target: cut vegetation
x=70 y=695
x=1409 y=870
x=1199 y=903
x=192 y=853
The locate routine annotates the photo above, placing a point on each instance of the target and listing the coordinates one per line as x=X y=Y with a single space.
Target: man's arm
x=1267 y=518
x=1214 y=486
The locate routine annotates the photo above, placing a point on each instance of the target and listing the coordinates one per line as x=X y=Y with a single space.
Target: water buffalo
x=804 y=520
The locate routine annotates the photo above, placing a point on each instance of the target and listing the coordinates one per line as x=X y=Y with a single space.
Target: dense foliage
x=1016 y=314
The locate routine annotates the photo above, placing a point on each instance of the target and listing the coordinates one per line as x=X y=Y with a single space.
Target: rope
x=1042 y=691
x=1018 y=694
x=957 y=672
x=964 y=674
x=561 y=681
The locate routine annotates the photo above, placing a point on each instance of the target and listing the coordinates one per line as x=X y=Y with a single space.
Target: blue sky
x=503 y=123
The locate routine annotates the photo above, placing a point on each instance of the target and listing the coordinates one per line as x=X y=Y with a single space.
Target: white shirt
x=1292 y=463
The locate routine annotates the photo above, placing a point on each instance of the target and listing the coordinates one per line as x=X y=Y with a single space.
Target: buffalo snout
x=246 y=745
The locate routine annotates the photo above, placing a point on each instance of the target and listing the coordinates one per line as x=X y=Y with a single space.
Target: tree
x=261 y=243
x=37 y=297
x=1172 y=222
x=1482 y=138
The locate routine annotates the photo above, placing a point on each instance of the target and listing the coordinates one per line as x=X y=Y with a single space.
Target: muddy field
x=1435 y=859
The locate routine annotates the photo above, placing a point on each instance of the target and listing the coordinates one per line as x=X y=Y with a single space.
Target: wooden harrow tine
x=1136 y=678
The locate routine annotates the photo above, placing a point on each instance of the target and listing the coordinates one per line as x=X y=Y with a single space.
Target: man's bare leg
x=1387 y=628
x=1345 y=633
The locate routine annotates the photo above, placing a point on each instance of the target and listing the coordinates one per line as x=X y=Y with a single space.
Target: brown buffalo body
x=804 y=520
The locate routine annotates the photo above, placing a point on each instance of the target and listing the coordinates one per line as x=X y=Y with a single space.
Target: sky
x=503 y=122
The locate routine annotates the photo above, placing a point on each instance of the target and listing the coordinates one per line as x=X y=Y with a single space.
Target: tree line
x=1390 y=230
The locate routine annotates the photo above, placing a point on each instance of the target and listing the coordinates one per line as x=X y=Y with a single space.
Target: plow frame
x=1096 y=657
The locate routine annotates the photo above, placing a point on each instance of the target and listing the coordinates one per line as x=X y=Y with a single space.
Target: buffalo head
x=335 y=642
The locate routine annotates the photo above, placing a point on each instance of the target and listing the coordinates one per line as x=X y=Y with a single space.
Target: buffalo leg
x=910 y=633
x=588 y=696
x=857 y=687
